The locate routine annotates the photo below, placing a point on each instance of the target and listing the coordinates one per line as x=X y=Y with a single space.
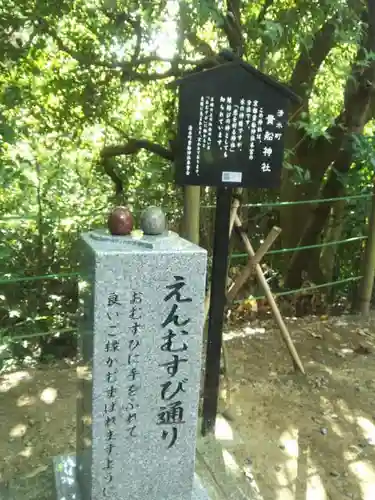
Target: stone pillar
x=140 y=345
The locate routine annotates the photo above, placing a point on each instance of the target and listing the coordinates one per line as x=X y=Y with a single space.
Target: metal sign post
x=231 y=127
x=217 y=305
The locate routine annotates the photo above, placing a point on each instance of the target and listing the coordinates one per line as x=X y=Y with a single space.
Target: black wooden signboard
x=230 y=134
x=230 y=127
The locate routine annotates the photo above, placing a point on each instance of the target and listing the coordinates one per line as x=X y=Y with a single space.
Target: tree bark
x=368 y=265
x=316 y=222
x=333 y=188
x=232 y=27
x=297 y=141
x=333 y=233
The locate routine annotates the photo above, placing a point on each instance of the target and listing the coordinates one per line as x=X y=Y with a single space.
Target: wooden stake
x=262 y=280
x=253 y=261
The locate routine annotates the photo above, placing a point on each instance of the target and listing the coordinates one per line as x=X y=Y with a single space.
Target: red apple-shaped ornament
x=120 y=222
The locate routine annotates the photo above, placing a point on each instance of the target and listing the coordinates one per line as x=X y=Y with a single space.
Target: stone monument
x=139 y=376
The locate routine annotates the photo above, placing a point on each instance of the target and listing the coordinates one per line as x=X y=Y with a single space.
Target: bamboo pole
x=253 y=261
x=262 y=280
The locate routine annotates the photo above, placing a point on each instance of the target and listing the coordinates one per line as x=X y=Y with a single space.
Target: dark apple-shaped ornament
x=120 y=222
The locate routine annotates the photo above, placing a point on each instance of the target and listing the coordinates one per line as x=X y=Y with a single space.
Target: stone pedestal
x=140 y=346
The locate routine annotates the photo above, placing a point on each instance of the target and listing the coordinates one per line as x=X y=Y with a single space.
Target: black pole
x=216 y=311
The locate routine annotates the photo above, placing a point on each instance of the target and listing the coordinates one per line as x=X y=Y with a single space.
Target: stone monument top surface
x=102 y=241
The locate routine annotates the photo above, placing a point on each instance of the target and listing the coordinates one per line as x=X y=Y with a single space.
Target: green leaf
x=4 y=252
x=31 y=175
x=12 y=96
x=272 y=30
x=7 y=134
x=207 y=10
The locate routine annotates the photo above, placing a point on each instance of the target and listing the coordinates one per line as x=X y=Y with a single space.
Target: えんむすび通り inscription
x=175 y=346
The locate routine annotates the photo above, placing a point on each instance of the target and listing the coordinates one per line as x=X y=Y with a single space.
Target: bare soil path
x=307 y=438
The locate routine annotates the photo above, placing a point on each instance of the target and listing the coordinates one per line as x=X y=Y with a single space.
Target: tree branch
x=311 y=60
x=154 y=58
x=200 y=45
x=126 y=67
x=359 y=95
x=121 y=17
x=138 y=36
x=109 y=168
x=134 y=146
x=131 y=75
x=302 y=82
x=232 y=27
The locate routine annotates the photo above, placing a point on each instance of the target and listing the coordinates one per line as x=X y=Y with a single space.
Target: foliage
x=81 y=81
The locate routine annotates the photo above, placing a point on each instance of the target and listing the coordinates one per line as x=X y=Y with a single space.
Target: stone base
x=67 y=487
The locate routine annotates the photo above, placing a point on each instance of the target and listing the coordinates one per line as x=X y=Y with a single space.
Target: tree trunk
x=316 y=155
x=293 y=217
x=302 y=149
x=368 y=266
x=333 y=233
x=301 y=259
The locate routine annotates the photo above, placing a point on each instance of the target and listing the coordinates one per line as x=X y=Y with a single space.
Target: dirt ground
x=309 y=437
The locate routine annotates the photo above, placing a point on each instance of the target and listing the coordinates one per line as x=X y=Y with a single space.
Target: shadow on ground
x=292 y=437
x=313 y=437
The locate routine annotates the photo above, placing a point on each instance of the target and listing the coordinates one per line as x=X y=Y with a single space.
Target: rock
x=363 y=349
x=153 y=221
x=120 y=222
